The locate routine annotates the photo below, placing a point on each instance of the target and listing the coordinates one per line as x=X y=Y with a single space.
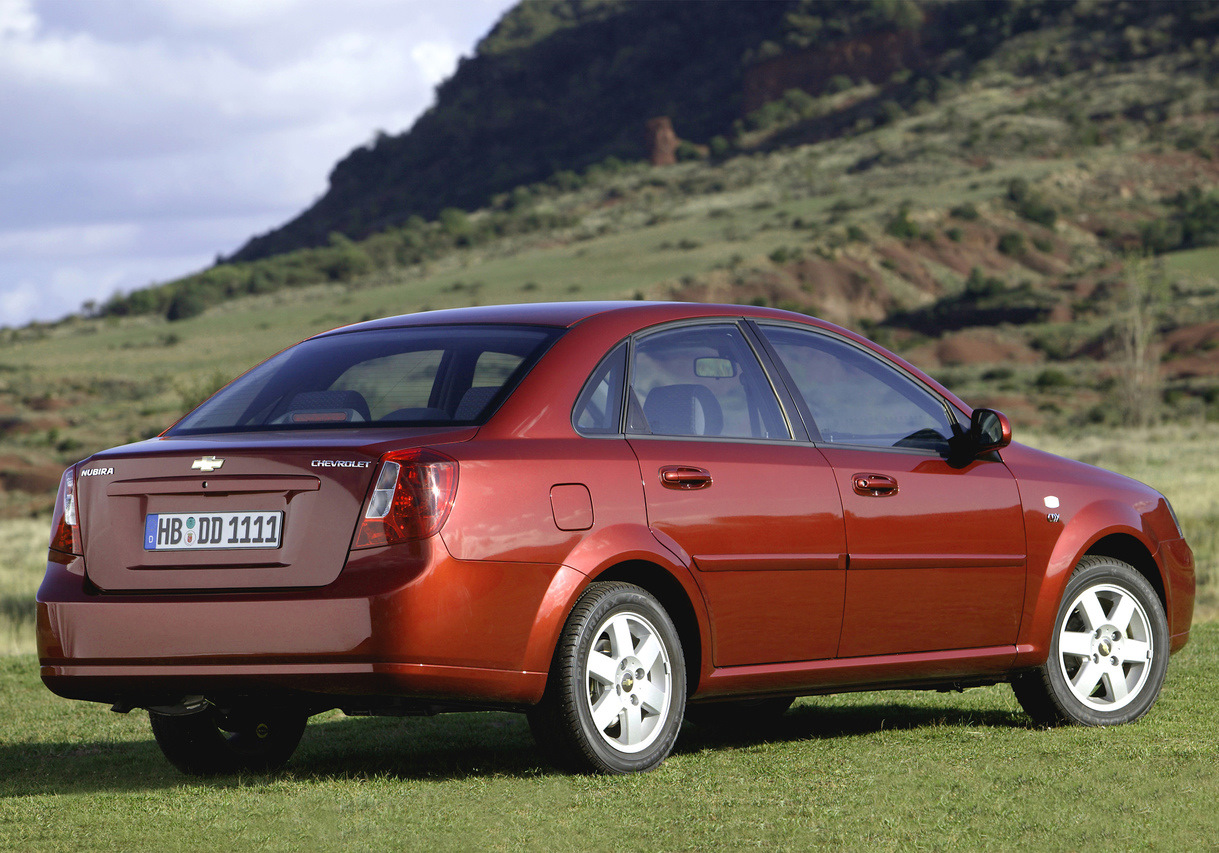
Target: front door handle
x=684 y=477
x=874 y=485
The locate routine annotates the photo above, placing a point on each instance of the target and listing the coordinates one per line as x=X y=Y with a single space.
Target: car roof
x=561 y=314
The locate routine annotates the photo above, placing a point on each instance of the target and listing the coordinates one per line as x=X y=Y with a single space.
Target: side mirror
x=989 y=430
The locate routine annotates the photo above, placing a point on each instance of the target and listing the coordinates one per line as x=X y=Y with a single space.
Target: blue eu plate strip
x=150 y=532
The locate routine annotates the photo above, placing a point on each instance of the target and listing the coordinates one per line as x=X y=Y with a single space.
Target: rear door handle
x=684 y=477
x=874 y=485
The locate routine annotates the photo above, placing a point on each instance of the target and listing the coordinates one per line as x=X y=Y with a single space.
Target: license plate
x=190 y=531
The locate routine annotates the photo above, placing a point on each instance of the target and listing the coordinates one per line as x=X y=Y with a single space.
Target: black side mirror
x=989 y=430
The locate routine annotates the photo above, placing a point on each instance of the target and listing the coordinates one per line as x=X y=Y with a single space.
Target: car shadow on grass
x=808 y=720
x=444 y=747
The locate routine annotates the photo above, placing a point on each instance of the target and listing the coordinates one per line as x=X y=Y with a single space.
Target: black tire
x=213 y=742
x=1108 y=654
x=644 y=682
x=739 y=715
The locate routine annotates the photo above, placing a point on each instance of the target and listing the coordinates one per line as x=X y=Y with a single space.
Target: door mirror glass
x=990 y=430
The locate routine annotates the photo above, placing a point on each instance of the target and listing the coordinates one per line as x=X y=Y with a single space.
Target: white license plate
x=190 y=531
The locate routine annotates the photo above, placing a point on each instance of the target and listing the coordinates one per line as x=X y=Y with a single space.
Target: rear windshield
x=419 y=376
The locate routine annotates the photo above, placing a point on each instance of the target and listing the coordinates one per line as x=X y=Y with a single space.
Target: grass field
x=877 y=771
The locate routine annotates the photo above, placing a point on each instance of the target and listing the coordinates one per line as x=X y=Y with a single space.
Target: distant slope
x=559 y=85
x=536 y=100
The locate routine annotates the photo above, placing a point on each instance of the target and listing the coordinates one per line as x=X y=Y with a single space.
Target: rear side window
x=702 y=381
x=439 y=375
x=599 y=406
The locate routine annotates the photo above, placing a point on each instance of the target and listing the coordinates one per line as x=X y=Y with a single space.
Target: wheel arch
x=1104 y=528
x=676 y=602
x=1129 y=549
x=627 y=553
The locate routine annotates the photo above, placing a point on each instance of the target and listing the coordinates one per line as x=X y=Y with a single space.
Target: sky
x=140 y=139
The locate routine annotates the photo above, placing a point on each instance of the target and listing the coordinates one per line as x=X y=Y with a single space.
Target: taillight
x=410 y=499
x=65 y=535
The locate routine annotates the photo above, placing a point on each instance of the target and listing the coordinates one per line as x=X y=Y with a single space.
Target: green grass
x=23 y=547
x=880 y=771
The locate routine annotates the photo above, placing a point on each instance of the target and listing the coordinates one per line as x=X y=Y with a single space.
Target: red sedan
x=610 y=516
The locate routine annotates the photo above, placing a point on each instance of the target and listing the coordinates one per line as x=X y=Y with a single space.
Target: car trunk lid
x=250 y=511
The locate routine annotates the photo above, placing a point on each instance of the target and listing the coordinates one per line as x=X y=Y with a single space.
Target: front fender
x=1043 y=594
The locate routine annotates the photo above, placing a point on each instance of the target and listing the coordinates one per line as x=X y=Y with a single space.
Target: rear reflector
x=410 y=498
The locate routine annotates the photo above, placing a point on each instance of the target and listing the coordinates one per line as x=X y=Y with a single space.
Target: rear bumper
x=408 y=621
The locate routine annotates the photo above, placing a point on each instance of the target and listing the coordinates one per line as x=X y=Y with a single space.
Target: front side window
x=413 y=376
x=702 y=381
x=855 y=398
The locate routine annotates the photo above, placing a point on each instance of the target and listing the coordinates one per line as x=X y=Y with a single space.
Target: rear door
x=727 y=484
x=936 y=548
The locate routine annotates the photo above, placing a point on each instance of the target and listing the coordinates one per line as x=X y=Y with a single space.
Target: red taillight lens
x=65 y=532
x=411 y=498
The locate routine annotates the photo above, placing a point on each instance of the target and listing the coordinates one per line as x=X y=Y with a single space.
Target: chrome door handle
x=684 y=477
x=874 y=485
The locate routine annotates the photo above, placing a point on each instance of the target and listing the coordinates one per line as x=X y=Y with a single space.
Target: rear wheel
x=617 y=686
x=214 y=741
x=1108 y=654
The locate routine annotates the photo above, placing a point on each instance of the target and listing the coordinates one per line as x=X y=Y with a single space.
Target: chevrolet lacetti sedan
x=610 y=516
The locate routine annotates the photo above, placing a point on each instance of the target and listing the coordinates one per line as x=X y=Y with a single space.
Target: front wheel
x=617 y=688
x=215 y=741
x=1108 y=654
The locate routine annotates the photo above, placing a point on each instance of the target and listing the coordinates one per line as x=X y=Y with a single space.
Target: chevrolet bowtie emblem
x=207 y=464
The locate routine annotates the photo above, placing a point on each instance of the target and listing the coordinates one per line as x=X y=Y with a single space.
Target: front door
x=936 y=548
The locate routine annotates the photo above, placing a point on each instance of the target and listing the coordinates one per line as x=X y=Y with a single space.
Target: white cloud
x=435 y=59
x=17 y=19
x=137 y=124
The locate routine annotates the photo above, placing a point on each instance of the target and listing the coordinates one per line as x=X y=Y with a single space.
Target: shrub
x=900 y=225
x=1051 y=378
x=187 y=303
x=1034 y=209
x=966 y=212
x=1011 y=243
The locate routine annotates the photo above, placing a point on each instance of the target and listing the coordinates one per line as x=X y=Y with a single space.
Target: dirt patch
x=31 y=479
x=974 y=346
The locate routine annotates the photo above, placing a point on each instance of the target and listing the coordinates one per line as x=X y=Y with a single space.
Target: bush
x=966 y=212
x=980 y=285
x=1051 y=378
x=1034 y=209
x=900 y=225
x=187 y=303
x=1011 y=243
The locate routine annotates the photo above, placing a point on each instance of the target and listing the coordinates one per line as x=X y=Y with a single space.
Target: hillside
x=563 y=84
x=1041 y=237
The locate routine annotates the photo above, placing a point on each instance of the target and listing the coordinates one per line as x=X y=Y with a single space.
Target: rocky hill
x=563 y=84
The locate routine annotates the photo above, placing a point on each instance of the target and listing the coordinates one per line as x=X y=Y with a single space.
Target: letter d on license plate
x=191 y=531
